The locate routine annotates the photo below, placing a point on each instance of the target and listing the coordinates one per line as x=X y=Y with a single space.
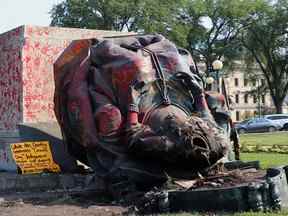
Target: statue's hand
x=134 y=96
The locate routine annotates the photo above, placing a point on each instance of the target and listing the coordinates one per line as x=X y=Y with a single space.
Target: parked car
x=281 y=119
x=257 y=125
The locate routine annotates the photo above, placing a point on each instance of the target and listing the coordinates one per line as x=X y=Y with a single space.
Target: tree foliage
x=215 y=26
x=183 y=21
x=266 y=40
x=209 y=29
x=129 y=15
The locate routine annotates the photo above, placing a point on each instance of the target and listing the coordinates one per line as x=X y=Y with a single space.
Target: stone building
x=247 y=100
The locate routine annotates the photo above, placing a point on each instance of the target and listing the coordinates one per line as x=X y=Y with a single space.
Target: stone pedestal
x=27 y=55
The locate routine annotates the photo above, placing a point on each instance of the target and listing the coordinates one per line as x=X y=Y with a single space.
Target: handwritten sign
x=34 y=157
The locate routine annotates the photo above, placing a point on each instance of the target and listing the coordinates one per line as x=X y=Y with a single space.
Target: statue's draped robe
x=92 y=102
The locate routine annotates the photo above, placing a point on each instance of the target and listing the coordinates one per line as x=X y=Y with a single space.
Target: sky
x=14 y=13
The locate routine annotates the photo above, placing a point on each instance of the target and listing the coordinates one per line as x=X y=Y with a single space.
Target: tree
x=209 y=29
x=181 y=21
x=129 y=15
x=266 y=40
x=215 y=26
x=101 y=14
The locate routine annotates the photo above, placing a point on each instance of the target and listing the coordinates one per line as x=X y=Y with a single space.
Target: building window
x=263 y=99
x=236 y=81
x=237 y=116
x=246 y=98
x=237 y=98
x=254 y=99
x=254 y=82
x=245 y=82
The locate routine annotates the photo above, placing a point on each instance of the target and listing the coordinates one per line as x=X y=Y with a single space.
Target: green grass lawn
x=281 y=213
x=276 y=138
x=266 y=159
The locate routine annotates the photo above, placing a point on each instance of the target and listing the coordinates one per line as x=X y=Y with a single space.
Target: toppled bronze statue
x=134 y=108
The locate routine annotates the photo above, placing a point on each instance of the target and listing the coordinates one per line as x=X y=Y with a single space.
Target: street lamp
x=217 y=65
x=209 y=80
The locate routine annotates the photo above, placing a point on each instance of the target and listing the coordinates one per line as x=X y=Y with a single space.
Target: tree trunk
x=278 y=101
x=279 y=106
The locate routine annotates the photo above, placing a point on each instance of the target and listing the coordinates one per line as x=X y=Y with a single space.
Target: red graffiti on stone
x=27 y=55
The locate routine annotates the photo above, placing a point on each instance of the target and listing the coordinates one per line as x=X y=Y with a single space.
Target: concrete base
x=269 y=193
x=48 y=184
x=36 y=132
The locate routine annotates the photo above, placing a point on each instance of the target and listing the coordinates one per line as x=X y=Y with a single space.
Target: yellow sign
x=34 y=157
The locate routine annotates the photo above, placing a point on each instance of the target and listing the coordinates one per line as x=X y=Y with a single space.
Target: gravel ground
x=58 y=207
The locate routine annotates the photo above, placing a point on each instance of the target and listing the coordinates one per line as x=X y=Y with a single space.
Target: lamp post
x=209 y=80
x=217 y=65
x=258 y=97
